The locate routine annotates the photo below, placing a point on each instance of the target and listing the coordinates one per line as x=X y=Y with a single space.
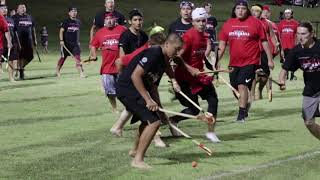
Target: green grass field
x=59 y=128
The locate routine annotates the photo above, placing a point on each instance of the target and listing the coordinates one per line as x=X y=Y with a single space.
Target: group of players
x=133 y=62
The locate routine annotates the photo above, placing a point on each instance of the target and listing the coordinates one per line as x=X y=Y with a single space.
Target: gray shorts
x=310 y=107
x=109 y=84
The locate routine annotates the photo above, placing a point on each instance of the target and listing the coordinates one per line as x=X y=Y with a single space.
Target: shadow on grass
x=177 y=158
x=249 y=135
x=32 y=120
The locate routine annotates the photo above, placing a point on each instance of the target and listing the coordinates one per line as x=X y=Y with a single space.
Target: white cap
x=199 y=13
x=288 y=11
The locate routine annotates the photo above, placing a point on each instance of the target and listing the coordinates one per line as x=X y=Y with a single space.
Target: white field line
x=262 y=166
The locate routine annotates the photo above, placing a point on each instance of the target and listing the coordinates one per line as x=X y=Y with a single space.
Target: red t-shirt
x=3 y=28
x=244 y=37
x=108 y=40
x=265 y=25
x=287 y=30
x=195 y=45
x=126 y=59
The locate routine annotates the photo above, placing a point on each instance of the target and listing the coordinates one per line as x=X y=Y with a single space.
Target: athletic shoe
x=212 y=137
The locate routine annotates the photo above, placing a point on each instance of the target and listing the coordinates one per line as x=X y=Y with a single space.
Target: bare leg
x=113 y=102
x=59 y=66
x=79 y=66
x=11 y=70
x=313 y=127
x=118 y=126
x=243 y=91
x=144 y=142
x=133 y=151
x=262 y=84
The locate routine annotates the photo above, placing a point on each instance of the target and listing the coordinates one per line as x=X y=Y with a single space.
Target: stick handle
x=178 y=114
x=229 y=85
x=192 y=102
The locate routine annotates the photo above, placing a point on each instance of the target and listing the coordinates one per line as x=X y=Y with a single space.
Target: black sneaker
x=21 y=74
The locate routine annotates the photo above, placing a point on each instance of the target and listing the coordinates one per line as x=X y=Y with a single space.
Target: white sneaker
x=212 y=137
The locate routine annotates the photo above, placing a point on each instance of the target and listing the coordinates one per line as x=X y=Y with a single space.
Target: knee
x=309 y=123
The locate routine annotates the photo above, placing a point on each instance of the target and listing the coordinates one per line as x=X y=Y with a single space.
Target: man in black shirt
x=98 y=21
x=211 y=26
x=137 y=89
x=69 y=41
x=27 y=38
x=184 y=22
x=134 y=37
x=306 y=56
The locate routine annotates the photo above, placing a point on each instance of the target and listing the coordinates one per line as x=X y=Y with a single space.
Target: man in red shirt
x=244 y=34
x=287 y=30
x=107 y=39
x=196 y=48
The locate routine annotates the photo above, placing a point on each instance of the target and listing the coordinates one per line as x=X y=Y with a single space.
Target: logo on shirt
x=287 y=30
x=248 y=80
x=310 y=64
x=144 y=60
x=239 y=34
x=25 y=23
x=110 y=42
x=73 y=29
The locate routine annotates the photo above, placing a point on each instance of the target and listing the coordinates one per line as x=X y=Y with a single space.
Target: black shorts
x=137 y=106
x=14 y=52
x=264 y=64
x=243 y=75
x=74 y=49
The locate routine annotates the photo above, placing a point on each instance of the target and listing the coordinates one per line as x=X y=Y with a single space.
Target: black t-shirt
x=99 y=19
x=152 y=60
x=24 y=25
x=130 y=42
x=178 y=27
x=212 y=23
x=308 y=60
x=71 y=32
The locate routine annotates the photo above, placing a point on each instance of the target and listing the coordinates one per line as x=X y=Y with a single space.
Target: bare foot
x=12 y=81
x=140 y=165
x=116 y=132
x=58 y=74
x=82 y=75
x=132 y=153
x=158 y=142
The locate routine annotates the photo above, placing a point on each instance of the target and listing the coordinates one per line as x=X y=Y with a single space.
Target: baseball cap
x=109 y=14
x=135 y=12
x=72 y=8
x=266 y=7
x=288 y=11
x=242 y=3
x=155 y=30
x=199 y=13
x=186 y=3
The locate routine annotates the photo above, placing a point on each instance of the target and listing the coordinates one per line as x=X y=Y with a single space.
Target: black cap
x=135 y=12
x=71 y=8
